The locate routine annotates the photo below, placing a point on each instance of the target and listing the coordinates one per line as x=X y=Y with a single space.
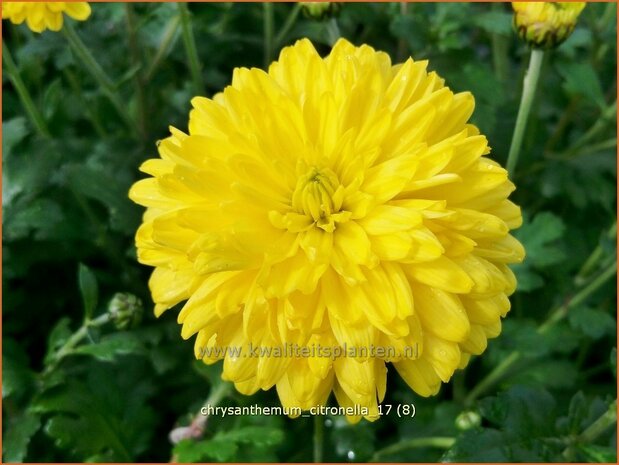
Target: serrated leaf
x=257 y=435
x=111 y=346
x=495 y=22
x=540 y=240
x=581 y=79
x=16 y=374
x=88 y=289
x=37 y=218
x=521 y=411
x=189 y=451
x=107 y=414
x=592 y=322
x=17 y=435
x=478 y=445
x=13 y=132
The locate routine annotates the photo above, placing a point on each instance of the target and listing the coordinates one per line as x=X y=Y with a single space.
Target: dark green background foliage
x=115 y=395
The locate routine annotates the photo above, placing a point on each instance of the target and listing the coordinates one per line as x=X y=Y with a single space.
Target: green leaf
x=576 y=413
x=88 y=289
x=581 y=79
x=592 y=322
x=39 y=218
x=13 y=132
x=111 y=346
x=478 y=445
x=521 y=411
x=108 y=413
x=16 y=374
x=224 y=446
x=256 y=435
x=17 y=435
x=189 y=451
x=495 y=22
x=59 y=334
x=104 y=188
x=540 y=240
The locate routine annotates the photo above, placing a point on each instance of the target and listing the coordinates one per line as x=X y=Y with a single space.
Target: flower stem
x=319 y=432
x=499 y=51
x=169 y=36
x=190 y=48
x=138 y=78
x=598 y=427
x=97 y=72
x=595 y=256
x=288 y=24
x=437 y=442
x=22 y=91
x=267 y=15
x=555 y=316
x=75 y=339
x=605 y=118
x=528 y=93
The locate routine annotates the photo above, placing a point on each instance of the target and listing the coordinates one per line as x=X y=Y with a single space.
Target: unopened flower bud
x=468 y=420
x=545 y=24
x=125 y=310
x=320 y=10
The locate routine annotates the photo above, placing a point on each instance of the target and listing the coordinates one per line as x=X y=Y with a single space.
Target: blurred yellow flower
x=546 y=24
x=342 y=203
x=44 y=15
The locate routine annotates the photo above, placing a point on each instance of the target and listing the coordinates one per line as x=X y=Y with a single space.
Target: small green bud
x=125 y=310
x=468 y=420
x=320 y=10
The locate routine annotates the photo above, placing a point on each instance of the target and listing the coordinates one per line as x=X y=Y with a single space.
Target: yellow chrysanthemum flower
x=331 y=203
x=546 y=24
x=44 y=15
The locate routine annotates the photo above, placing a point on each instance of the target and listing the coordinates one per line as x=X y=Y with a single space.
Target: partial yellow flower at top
x=340 y=205
x=40 y=16
x=546 y=24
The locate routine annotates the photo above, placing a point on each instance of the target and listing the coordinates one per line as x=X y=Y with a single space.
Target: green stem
x=528 y=94
x=288 y=24
x=169 y=36
x=319 y=432
x=89 y=62
x=267 y=17
x=597 y=428
x=499 y=51
x=22 y=91
x=437 y=442
x=138 y=78
x=600 y=425
x=190 y=49
x=91 y=113
x=595 y=256
x=599 y=125
x=75 y=339
x=555 y=316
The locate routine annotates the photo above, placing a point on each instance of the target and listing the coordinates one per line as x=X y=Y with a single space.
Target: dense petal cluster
x=546 y=24
x=336 y=202
x=40 y=16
